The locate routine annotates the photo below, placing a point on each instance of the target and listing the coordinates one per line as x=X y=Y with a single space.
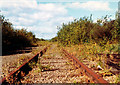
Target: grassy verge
x=95 y=56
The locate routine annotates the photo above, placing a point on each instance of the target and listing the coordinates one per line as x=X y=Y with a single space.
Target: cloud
x=16 y=3
x=49 y=26
x=45 y=35
x=74 y=0
x=38 y=18
x=43 y=18
x=91 y=5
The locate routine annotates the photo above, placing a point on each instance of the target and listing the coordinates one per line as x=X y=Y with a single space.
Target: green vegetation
x=91 y=41
x=55 y=39
x=13 y=39
x=85 y=31
x=118 y=79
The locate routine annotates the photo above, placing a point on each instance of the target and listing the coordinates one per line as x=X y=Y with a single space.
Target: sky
x=43 y=16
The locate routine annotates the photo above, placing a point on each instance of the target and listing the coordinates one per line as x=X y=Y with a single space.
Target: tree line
x=84 y=30
x=13 y=39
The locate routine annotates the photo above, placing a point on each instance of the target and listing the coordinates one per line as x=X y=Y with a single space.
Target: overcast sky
x=43 y=16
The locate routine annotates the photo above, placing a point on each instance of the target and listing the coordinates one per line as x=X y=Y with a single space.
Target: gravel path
x=56 y=68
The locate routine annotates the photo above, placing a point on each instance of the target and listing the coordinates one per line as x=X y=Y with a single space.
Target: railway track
x=61 y=68
x=16 y=75
x=94 y=77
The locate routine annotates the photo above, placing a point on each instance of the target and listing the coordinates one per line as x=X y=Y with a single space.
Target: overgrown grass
x=118 y=79
x=92 y=52
x=44 y=43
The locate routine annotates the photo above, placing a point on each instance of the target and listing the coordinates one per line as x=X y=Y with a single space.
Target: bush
x=85 y=31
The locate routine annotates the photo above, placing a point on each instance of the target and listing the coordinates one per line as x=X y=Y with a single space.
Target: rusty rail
x=22 y=70
x=96 y=78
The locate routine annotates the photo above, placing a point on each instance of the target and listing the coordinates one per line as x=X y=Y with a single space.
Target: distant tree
x=55 y=39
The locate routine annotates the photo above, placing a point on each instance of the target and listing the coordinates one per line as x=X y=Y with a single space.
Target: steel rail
x=95 y=77
x=21 y=69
